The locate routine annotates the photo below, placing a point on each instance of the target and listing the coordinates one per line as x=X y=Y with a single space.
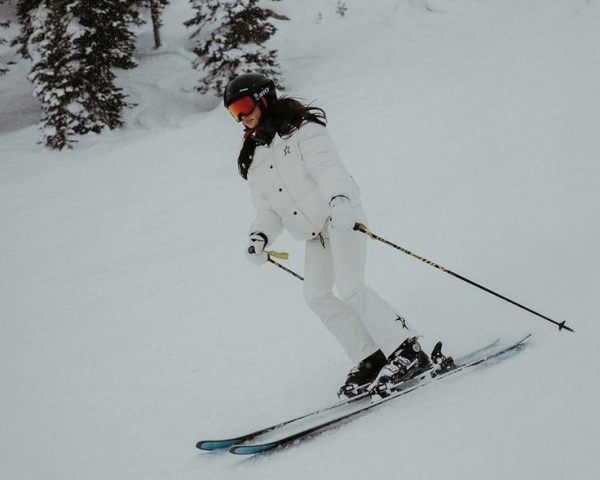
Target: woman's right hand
x=255 y=251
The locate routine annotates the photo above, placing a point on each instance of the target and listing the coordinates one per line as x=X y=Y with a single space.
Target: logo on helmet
x=262 y=93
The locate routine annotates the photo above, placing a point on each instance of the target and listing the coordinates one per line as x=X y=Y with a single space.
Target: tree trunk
x=156 y=23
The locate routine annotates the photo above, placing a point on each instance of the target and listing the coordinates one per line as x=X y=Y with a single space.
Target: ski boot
x=361 y=376
x=408 y=361
x=442 y=363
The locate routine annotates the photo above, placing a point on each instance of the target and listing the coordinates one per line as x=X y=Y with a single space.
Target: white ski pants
x=359 y=318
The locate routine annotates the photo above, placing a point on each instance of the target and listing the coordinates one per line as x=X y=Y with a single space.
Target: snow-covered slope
x=132 y=326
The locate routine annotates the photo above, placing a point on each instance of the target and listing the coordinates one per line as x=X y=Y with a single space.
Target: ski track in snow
x=132 y=326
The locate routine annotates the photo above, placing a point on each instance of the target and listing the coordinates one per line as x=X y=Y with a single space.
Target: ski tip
x=521 y=343
x=210 y=445
x=251 y=449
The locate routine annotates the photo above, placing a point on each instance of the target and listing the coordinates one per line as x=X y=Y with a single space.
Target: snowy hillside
x=132 y=326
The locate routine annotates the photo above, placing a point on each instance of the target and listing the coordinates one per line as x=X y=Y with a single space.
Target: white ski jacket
x=293 y=180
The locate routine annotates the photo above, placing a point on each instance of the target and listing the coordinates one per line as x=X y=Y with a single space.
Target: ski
x=303 y=432
x=363 y=398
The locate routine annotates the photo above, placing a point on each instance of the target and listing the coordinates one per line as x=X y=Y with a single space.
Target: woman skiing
x=298 y=182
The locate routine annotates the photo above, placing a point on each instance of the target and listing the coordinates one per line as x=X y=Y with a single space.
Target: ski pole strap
x=362 y=228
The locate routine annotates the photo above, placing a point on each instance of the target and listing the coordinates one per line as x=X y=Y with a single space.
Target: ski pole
x=362 y=228
x=285 y=269
x=282 y=256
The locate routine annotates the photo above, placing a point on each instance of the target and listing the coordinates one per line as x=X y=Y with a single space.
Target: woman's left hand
x=343 y=214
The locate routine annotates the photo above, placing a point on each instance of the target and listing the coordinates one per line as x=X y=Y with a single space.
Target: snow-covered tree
x=3 y=66
x=341 y=8
x=25 y=10
x=53 y=75
x=74 y=45
x=3 y=24
x=231 y=36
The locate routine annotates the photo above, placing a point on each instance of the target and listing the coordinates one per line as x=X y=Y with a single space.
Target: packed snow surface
x=132 y=326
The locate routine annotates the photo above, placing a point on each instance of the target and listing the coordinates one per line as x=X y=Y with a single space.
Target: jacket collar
x=263 y=134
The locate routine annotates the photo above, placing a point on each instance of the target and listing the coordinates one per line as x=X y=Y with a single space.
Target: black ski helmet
x=255 y=85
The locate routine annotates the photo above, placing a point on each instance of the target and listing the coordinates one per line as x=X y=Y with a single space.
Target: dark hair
x=284 y=117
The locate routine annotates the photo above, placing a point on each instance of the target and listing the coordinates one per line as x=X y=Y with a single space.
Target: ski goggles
x=242 y=106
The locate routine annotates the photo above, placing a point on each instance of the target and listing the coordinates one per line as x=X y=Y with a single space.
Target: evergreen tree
x=25 y=12
x=52 y=75
x=231 y=37
x=108 y=37
x=3 y=24
x=74 y=45
x=3 y=66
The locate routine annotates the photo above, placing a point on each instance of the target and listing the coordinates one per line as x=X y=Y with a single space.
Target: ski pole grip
x=270 y=253
x=360 y=227
x=279 y=255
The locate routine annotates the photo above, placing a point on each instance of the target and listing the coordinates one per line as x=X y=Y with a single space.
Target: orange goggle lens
x=242 y=106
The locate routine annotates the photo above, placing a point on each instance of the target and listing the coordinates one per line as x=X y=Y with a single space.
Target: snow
x=132 y=326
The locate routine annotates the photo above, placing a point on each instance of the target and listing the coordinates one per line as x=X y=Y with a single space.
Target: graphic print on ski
x=284 y=439
x=210 y=445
